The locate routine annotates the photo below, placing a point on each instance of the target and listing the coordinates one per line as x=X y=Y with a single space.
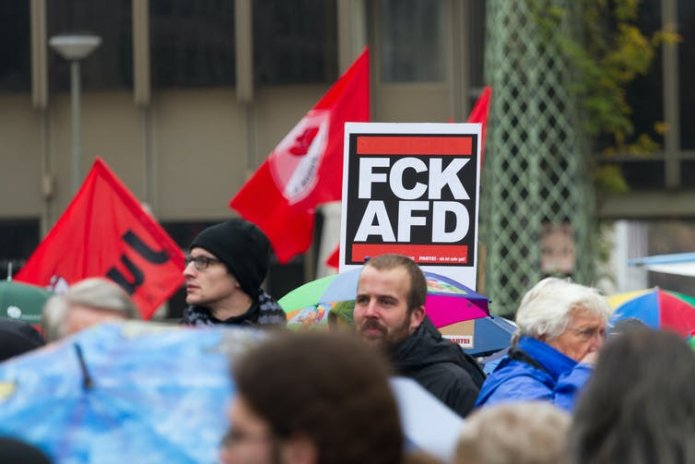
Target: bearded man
x=390 y=315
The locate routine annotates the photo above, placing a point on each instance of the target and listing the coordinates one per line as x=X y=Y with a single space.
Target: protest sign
x=412 y=189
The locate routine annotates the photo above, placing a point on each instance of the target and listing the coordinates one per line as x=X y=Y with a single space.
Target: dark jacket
x=440 y=366
x=17 y=337
x=541 y=373
x=266 y=311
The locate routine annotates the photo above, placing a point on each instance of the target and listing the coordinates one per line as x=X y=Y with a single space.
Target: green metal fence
x=536 y=182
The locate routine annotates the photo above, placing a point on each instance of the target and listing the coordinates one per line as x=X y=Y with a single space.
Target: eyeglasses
x=201 y=262
x=589 y=333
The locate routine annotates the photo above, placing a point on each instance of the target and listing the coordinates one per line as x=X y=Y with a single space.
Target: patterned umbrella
x=657 y=308
x=130 y=392
x=448 y=301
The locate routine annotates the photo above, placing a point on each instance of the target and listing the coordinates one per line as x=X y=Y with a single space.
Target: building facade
x=184 y=99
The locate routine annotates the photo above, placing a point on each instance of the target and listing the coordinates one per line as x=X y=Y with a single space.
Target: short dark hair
x=639 y=405
x=329 y=387
x=417 y=292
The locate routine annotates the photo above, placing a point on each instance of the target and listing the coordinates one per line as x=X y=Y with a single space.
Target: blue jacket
x=557 y=379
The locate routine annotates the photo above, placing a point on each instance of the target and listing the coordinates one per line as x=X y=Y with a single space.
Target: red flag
x=105 y=232
x=334 y=259
x=480 y=112
x=306 y=167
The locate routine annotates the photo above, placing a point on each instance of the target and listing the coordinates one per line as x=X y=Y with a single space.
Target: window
x=15 y=74
x=645 y=94
x=294 y=41
x=476 y=48
x=644 y=174
x=192 y=43
x=18 y=240
x=111 y=65
x=686 y=64
x=413 y=42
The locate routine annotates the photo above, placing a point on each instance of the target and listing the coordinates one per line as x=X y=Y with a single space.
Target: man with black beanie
x=224 y=270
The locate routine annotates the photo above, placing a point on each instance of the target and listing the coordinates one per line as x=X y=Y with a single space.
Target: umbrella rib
x=87 y=380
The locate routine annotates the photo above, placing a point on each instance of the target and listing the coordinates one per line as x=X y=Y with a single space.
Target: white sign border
x=465 y=275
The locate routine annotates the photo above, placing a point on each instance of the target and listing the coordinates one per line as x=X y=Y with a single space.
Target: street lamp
x=74 y=47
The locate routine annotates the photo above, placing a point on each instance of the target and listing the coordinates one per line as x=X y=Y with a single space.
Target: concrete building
x=185 y=98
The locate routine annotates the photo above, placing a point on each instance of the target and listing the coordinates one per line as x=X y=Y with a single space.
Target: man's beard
x=390 y=339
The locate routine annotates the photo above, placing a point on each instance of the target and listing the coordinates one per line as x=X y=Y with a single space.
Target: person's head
x=390 y=302
x=531 y=432
x=226 y=259
x=639 y=405
x=17 y=337
x=53 y=318
x=95 y=300
x=313 y=397
x=568 y=316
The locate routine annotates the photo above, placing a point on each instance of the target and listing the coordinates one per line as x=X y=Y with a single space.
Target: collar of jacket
x=198 y=315
x=553 y=360
x=264 y=311
x=424 y=346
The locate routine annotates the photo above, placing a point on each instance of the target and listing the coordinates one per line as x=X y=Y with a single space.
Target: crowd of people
x=564 y=392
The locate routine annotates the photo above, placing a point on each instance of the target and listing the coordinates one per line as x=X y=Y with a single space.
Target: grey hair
x=532 y=432
x=100 y=293
x=52 y=318
x=546 y=309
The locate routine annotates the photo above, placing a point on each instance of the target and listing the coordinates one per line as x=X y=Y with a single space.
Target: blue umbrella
x=676 y=263
x=131 y=392
x=491 y=334
x=482 y=336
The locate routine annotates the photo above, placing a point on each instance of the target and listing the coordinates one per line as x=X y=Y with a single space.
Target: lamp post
x=75 y=47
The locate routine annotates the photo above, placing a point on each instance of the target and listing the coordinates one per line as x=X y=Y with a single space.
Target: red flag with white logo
x=105 y=232
x=306 y=168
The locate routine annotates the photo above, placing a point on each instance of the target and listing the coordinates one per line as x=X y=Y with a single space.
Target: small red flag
x=334 y=259
x=480 y=112
x=306 y=168
x=105 y=232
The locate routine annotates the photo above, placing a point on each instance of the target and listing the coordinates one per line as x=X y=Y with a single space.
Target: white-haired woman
x=560 y=327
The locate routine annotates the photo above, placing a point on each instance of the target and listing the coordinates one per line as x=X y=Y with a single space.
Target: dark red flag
x=306 y=168
x=105 y=232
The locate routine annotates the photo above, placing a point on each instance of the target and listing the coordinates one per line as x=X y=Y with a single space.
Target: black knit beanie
x=242 y=247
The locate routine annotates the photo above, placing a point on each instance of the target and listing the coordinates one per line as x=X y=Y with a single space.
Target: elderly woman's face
x=584 y=335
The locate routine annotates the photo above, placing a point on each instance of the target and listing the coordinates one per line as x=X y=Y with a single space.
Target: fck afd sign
x=412 y=189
